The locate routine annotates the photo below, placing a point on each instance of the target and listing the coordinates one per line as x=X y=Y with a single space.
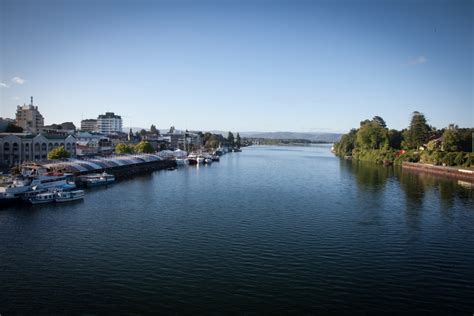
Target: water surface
x=270 y=229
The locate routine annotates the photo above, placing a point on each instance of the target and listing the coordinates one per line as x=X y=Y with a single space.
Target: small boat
x=215 y=158
x=67 y=196
x=200 y=159
x=97 y=179
x=208 y=161
x=181 y=161
x=192 y=159
x=41 y=198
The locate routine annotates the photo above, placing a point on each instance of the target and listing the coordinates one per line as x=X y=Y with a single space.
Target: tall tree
x=237 y=140
x=230 y=139
x=153 y=129
x=372 y=136
x=379 y=121
x=417 y=133
x=450 y=140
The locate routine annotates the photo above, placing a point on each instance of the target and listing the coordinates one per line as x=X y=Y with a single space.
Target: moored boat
x=67 y=196
x=41 y=198
x=96 y=179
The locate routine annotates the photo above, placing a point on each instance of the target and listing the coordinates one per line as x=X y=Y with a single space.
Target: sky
x=303 y=66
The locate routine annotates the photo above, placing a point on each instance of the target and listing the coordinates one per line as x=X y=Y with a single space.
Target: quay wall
x=449 y=172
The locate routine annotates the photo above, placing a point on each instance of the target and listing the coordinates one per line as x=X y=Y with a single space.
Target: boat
x=182 y=161
x=22 y=184
x=215 y=158
x=7 y=199
x=96 y=179
x=41 y=198
x=67 y=196
x=192 y=158
x=208 y=161
x=200 y=159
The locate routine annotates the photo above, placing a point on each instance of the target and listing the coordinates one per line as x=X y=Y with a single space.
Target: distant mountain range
x=312 y=136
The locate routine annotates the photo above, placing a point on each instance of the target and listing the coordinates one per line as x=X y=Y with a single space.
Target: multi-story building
x=91 y=144
x=109 y=123
x=18 y=147
x=29 y=118
x=89 y=125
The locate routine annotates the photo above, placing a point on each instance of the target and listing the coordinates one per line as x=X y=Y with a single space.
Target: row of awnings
x=98 y=163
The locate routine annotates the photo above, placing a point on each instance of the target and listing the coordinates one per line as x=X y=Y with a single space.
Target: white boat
x=200 y=159
x=97 y=179
x=208 y=160
x=22 y=184
x=41 y=198
x=66 y=196
x=182 y=161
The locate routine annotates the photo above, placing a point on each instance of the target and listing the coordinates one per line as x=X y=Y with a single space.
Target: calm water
x=270 y=229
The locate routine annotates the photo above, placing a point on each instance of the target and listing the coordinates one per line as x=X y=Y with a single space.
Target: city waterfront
x=270 y=229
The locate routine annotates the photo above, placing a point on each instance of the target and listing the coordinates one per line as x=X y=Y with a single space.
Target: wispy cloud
x=4 y=85
x=16 y=98
x=418 y=61
x=18 y=80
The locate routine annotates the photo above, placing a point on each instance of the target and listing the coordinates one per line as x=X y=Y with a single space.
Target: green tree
x=153 y=129
x=379 y=121
x=58 y=153
x=238 y=140
x=450 y=140
x=346 y=144
x=394 y=139
x=417 y=133
x=372 y=136
x=124 y=149
x=144 y=147
x=142 y=132
x=230 y=139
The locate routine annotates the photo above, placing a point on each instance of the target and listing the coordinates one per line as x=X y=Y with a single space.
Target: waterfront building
x=109 y=123
x=18 y=147
x=182 y=140
x=29 y=118
x=89 y=125
x=91 y=144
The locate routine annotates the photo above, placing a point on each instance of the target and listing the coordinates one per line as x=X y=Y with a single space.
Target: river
x=270 y=229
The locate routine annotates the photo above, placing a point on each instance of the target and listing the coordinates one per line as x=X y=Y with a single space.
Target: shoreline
x=440 y=171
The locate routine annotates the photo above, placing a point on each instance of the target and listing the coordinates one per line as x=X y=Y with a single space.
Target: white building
x=109 y=123
x=19 y=147
x=29 y=118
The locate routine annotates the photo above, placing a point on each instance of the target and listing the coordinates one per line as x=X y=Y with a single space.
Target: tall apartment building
x=89 y=125
x=29 y=118
x=109 y=123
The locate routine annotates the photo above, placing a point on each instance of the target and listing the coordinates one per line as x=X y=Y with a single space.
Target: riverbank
x=450 y=172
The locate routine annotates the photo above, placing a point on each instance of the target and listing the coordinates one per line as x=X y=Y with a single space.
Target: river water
x=271 y=229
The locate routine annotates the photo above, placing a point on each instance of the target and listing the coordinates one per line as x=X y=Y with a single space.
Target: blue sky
x=240 y=65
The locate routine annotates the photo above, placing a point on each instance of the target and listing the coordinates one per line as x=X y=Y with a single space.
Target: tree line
x=419 y=142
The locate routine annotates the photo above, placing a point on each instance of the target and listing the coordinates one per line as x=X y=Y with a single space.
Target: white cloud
x=418 y=60
x=18 y=80
x=16 y=98
x=3 y=85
